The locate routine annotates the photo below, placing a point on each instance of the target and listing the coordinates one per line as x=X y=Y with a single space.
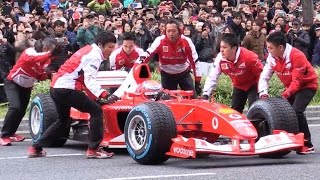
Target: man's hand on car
x=110 y=99
x=205 y=97
x=197 y=87
x=264 y=96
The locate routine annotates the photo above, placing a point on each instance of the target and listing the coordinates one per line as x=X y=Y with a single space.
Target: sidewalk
x=312 y=112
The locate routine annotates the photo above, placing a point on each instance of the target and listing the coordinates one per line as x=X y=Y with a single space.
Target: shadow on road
x=227 y=161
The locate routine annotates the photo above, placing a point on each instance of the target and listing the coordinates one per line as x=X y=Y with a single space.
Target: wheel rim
x=137 y=133
x=35 y=120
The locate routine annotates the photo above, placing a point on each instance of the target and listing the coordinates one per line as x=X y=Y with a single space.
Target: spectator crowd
x=76 y=24
x=212 y=32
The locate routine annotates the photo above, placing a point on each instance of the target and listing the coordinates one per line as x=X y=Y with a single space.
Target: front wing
x=279 y=141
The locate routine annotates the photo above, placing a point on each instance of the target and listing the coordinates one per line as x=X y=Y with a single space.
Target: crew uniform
x=175 y=62
x=29 y=68
x=119 y=59
x=300 y=81
x=75 y=75
x=244 y=73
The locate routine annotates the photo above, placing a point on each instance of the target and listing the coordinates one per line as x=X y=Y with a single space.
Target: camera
x=60 y=40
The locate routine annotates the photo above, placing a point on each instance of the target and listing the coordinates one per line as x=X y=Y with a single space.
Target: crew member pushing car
x=242 y=66
x=30 y=67
x=298 y=76
x=177 y=57
x=126 y=54
x=78 y=73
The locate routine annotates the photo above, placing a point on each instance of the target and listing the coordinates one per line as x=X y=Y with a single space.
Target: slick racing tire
x=273 y=114
x=149 y=129
x=42 y=115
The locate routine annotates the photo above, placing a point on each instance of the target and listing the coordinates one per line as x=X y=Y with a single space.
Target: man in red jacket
x=177 y=57
x=297 y=75
x=30 y=67
x=242 y=66
x=126 y=54
x=78 y=73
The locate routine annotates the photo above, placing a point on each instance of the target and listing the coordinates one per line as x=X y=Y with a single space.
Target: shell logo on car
x=226 y=111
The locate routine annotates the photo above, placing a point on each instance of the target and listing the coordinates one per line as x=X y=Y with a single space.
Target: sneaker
x=306 y=150
x=98 y=154
x=17 y=138
x=34 y=152
x=5 y=141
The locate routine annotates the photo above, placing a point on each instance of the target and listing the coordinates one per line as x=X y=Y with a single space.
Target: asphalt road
x=69 y=162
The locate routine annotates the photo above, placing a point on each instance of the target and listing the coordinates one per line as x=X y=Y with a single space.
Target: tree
x=308 y=12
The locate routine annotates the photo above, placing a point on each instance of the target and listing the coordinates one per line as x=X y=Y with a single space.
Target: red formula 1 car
x=154 y=124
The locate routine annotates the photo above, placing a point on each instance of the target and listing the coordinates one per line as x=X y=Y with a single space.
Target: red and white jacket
x=119 y=58
x=244 y=71
x=294 y=71
x=80 y=70
x=175 y=57
x=29 y=68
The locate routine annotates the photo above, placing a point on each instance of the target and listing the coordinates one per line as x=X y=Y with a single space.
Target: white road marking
x=48 y=155
x=161 y=176
x=314 y=125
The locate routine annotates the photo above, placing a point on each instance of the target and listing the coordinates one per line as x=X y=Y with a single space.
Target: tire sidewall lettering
x=146 y=147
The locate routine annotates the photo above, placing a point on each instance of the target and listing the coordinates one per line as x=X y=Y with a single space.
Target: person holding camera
x=242 y=66
x=298 y=38
x=79 y=73
x=142 y=34
x=88 y=31
x=7 y=60
x=298 y=77
x=66 y=48
x=30 y=67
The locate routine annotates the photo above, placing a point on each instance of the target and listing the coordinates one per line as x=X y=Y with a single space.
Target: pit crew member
x=79 y=72
x=297 y=75
x=242 y=66
x=177 y=57
x=30 y=67
x=126 y=54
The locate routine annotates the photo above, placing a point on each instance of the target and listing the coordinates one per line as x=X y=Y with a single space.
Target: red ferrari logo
x=165 y=49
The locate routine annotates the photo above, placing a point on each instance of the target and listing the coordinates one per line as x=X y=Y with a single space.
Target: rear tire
x=149 y=129
x=273 y=114
x=42 y=114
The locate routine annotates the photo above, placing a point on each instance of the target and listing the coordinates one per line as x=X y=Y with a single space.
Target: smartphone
x=80 y=9
x=282 y=14
x=166 y=13
x=136 y=5
x=16 y=5
x=60 y=40
x=22 y=19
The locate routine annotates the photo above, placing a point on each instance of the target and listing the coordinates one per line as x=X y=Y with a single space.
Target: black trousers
x=299 y=102
x=64 y=99
x=240 y=97
x=18 y=98
x=171 y=81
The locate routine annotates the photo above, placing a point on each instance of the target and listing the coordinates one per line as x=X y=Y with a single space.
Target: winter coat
x=87 y=36
x=255 y=43
x=100 y=8
x=301 y=42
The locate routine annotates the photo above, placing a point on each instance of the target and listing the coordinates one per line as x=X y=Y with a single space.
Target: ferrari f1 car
x=155 y=124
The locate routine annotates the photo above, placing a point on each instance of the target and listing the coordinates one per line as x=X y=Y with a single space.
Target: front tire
x=42 y=114
x=273 y=114
x=149 y=129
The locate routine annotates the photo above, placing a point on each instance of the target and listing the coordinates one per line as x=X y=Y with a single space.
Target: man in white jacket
x=78 y=73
